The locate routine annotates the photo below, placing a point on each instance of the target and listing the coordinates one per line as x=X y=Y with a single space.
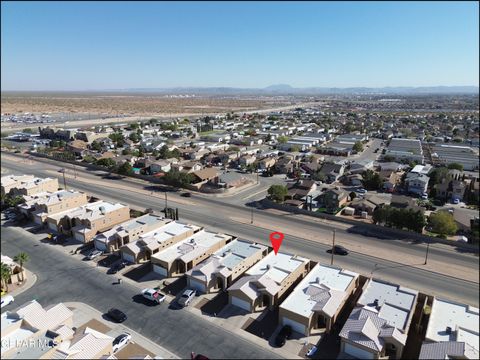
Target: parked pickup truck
x=153 y=295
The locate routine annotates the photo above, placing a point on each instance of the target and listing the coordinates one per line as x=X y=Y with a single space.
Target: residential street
x=61 y=278
x=393 y=260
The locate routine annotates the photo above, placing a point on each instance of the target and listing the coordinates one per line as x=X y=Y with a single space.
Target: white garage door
x=100 y=245
x=196 y=285
x=296 y=326
x=240 y=303
x=357 y=352
x=160 y=270
x=128 y=257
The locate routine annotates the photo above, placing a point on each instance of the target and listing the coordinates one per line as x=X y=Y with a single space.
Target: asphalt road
x=216 y=215
x=62 y=278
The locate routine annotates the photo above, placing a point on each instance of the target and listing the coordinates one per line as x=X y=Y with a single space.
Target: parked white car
x=153 y=295
x=186 y=297
x=6 y=300
x=120 y=341
x=94 y=254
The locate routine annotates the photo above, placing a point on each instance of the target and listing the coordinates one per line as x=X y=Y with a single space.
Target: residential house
x=160 y=166
x=84 y=222
x=354 y=180
x=221 y=269
x=127 y=232
x=301 y=189
x=39 y=207
x=358 y=167
x=268 y=281
x=332 y=199
x=452 y=332
x=17 y=274
x=266 y=163
x=30 y=323
x=77 y=147
x=332 y=172
x=27 y=185
x=205 y=175
x=378 y=326
x=313 y=306
x=178 y=259
x=390 y=180
x=285 y=165
x=154 y=241
x=246 y=160
x=405 y=202
x=417 y=183
x=406 y=150
x=367 y=204
x=89 y=136
x=232 y=179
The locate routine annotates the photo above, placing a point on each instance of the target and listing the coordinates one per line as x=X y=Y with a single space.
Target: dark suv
x=283 y=335
x=117 y=315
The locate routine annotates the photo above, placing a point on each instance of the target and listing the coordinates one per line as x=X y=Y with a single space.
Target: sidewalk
x=84 y=313
x=31 y=279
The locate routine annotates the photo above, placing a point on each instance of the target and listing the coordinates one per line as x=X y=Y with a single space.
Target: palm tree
x=5 y=272
x=21 y=259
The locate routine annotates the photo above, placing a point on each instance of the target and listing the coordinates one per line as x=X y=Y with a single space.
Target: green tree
x=295 y=148
x=13 y=201
x=108 y=163
x=134 y=137
x=178 y=178
x=372 y=180
x=437 y=174
x=358 y=147
x=388 y=158
x=5 y=273
x=125 y=169
x=126 y=152
x=352 y=195
x=443 y=223
x=133 y=126
x=282 y=139
x=95 y=145
x=28 y=130
x=21 y=258
x=455 y=166
x=89 y=159
x=277 y=193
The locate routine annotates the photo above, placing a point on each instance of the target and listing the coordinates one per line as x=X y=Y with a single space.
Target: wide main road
x=63 y=278
x=233 y=219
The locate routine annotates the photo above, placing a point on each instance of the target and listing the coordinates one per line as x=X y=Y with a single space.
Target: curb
x=31 y=280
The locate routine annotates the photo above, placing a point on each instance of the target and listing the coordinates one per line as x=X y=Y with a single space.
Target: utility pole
x=166 y=200
x=251 y=218
x=426 y=253
x=333 y=247
x=74 y=169
x=64 y=181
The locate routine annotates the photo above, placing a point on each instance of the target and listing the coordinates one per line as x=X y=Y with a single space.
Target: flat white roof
x=15 y=339
x=167 y=231
x=395 y=302
x=236 y=251
x=277 y=266
x=458 y=317
x=302 y=300
x=191 y=247
x=88 y=211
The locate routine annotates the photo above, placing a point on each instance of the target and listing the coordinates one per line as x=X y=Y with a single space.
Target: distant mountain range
x=284 y=89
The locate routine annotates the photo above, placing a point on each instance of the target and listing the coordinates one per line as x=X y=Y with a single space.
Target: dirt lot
x=135 y=104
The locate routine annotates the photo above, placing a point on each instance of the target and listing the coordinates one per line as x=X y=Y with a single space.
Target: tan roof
x=206 y=174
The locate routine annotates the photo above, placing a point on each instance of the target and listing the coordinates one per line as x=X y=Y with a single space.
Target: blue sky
x=114 y=45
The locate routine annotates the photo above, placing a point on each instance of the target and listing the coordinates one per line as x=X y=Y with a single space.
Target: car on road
x=283 y=335
x=186 y=297
x=361 y=191
x=6 y=300
x=120 y=341
x=338 y=250
x=187 y=194
x=94 y=254
x=424 y=196
x=116 y=315
x=456 y=201
x=117 y=267
x=311 y=351
x=153 y=295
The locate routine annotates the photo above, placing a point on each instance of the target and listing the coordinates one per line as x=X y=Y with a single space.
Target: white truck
x=153 y=295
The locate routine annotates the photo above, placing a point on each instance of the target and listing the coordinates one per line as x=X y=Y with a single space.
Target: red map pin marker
x=276 y=239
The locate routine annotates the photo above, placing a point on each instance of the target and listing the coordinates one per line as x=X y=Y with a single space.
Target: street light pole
x=333 y=248
x=426 y=253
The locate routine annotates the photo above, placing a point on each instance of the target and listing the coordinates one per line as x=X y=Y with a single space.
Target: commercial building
x=128 y=231
x=178 y=259
x=86 y=221
x=452 y=332
x=268 y=281
x=444 y=154
x=156 y=240
x=378 y=326
x=405 y=149
x=314 y=304
x=221 y=269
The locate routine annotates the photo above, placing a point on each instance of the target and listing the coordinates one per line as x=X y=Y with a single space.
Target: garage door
x=128 y=257
x=100 y=245
x=357 y=352
x=240 y=303
x=160 y=270
x=296 y=326
x=194 y=284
